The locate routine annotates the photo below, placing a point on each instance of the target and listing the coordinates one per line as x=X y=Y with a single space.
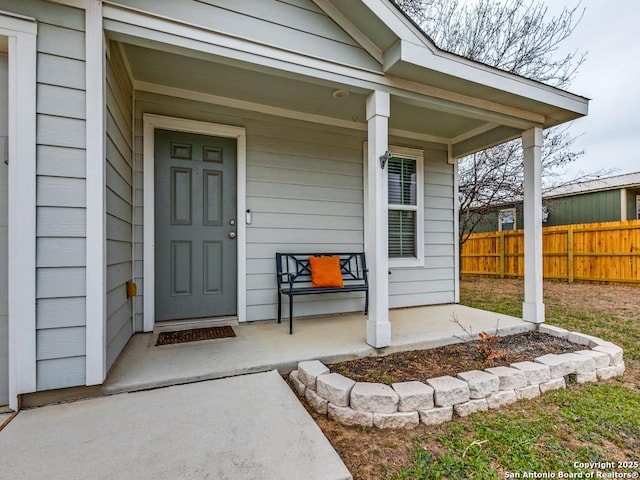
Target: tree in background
x=519 y=37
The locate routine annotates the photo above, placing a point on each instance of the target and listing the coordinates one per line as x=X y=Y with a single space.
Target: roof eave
x=406 y=56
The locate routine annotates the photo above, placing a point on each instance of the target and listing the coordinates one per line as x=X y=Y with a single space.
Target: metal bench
x=294 y=278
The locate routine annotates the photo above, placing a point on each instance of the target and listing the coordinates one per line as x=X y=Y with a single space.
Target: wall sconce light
x=384 y=158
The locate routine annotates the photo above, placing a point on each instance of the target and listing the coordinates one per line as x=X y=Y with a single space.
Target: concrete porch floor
x=263 y=346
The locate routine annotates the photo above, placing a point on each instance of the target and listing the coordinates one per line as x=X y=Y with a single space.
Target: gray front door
x=4 y=199
x=195 y=226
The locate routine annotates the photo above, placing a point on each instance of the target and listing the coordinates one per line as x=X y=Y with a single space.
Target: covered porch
x=266 y=345
x=309 y=142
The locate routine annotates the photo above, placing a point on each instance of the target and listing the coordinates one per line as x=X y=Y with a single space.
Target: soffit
x=160 y=67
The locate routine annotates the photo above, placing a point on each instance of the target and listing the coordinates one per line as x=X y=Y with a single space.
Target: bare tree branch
x=519 y=37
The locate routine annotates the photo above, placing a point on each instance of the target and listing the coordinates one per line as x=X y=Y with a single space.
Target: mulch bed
x=194 y=335
x=421 y=365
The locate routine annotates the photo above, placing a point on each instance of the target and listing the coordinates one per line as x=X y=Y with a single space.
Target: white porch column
x=533 y=306
x=96 y=271
x=623 y=204
x=376 y=241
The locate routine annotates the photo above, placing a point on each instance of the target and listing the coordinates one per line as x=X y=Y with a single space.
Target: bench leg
x=279 y=307
x=366 y=302
x=290 y=314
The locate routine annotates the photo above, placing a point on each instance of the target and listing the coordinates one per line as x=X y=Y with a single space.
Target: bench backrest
x=352 y=265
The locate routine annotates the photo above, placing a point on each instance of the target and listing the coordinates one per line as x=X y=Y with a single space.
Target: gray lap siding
x=305 y=191
x=60 y=192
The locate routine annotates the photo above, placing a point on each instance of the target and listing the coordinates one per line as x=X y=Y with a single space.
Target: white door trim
x=21 y=33
x=150 y=123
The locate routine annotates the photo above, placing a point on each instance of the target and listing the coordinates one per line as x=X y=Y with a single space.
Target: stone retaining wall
x=406 y=404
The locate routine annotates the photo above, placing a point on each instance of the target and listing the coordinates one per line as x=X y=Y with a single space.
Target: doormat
x=194 y=335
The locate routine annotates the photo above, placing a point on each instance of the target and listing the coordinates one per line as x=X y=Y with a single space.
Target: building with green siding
x=610 y=199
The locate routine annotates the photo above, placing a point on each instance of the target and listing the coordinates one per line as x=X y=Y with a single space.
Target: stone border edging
x=406 y=404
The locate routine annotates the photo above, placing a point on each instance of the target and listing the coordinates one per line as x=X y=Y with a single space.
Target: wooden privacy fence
x=596 y=252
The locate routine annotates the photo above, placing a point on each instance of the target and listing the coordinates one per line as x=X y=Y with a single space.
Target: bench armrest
x=286 y=277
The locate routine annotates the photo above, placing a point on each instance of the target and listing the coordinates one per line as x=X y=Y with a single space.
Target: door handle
x=232 y=234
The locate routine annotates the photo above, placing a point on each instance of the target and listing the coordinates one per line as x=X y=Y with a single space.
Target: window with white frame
x=638 y=207
x=406 y=210
x=507 y=219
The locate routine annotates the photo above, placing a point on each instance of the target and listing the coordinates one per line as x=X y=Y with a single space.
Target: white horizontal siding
x=60 y=372
x=61 y=41
x=60 y=131
x=419 y=299
x=119 y=182
x=60 y=192
x=48 y=12
x=119 y=252
x=63 y=72
x=305 y=191
x=119 y=205
x=61 y=101
x=60 y=222
x=60 y=252
x=301 y=27
x=435 y=282
x=115 y=298
x=118 y=337
x=285 y=206
x=294 y=192
x=60 y=312
x=60 y=342
x=119 y=208
x=60 y=282
x=56 y=161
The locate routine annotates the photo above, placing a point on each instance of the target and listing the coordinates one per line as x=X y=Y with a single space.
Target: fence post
x=570 y=254
x=501 y=247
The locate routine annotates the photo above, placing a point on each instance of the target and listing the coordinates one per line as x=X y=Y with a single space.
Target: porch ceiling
x=156 y=67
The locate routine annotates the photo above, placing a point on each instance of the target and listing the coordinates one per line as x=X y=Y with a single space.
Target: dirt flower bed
x=421 y=365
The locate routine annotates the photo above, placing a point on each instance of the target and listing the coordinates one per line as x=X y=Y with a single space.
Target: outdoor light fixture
x=340 y=93
x=384 y=158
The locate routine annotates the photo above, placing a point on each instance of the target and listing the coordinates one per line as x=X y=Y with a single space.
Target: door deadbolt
x=232 y=222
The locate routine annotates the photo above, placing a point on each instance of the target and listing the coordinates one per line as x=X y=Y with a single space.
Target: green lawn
x=555 y=433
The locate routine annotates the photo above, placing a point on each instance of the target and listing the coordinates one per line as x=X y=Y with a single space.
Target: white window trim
x=515 y=219
x=638 y=207
x=150 y=123
x=418 y=156
x=21 y=33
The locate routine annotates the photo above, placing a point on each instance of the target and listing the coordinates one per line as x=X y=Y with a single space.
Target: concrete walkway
x=247 y=427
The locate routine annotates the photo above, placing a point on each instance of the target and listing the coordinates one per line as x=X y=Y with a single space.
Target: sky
x=610 y=77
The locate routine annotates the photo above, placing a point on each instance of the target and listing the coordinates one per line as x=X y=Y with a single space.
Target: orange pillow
x=325 y=272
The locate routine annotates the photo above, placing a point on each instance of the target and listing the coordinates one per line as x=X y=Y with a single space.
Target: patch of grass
x=609 y=411
x=607 y=325
x=621 y=331
x=549 y=436
x=579 y=424
x=493 y=300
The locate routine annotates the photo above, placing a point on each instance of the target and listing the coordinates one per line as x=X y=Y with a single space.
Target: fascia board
x=484 y=75
x=398 y=23
x=552 y=196
x=343 y=22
